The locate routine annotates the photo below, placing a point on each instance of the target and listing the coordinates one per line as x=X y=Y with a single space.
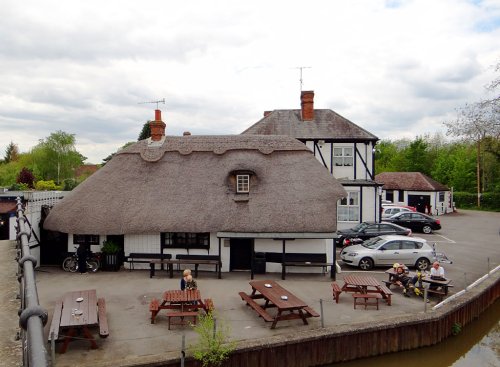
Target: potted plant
x=110 y=251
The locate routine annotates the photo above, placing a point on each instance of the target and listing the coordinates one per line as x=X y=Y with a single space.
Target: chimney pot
x=307 y=105
x=267 y=113
x=186 y=133
x=157 y=127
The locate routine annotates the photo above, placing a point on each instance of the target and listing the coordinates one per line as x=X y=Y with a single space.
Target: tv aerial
x=157 y=102
x=301 y=68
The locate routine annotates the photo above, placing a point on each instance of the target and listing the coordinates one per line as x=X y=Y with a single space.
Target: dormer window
x=242 y=184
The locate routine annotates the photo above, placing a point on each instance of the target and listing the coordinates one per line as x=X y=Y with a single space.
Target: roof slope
x=184 y=184
x=327 y=125
x=414 y=181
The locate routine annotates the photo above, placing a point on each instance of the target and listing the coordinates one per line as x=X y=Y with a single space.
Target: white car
x=389 y=211
x=387 y=250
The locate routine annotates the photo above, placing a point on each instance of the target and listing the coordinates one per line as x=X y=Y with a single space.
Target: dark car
x=366 y=230
x=417 y=222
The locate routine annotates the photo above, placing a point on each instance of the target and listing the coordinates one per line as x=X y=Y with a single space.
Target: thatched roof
x=326 y=125
x=410 y=181
x=184 y=184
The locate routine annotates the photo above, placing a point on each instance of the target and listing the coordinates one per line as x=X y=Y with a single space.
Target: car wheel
x=423 y=264
x=366 y=263
x=427 y=229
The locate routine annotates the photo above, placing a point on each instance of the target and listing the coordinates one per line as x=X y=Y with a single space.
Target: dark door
x=421 y=202
x=4 y=226
x=53 y=245
x=240 y=257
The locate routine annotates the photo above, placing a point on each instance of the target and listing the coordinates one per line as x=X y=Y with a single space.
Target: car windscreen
x=373 y=243
x=360 y=227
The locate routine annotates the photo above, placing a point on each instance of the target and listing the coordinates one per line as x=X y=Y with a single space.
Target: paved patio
x=133 y=337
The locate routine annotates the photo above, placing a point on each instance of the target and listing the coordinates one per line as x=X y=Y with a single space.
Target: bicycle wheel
x=92 y=266
x=70 y=264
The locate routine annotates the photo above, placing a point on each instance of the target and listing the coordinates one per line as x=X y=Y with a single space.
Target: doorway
x=240 y=253
x=421 y=202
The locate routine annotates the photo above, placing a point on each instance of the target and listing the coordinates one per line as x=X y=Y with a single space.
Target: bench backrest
x=197 y=257
x=140 y=255
x=275 y=257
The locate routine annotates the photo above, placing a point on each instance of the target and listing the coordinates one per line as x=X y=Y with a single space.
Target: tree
x=416 y=157
x=11 y=153
x=25 y=176
x=145 y=132
x=56 y=157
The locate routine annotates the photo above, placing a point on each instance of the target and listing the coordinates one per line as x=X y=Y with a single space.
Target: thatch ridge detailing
x=290 y=190
x=218 y=144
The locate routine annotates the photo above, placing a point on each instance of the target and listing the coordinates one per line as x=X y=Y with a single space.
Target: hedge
x=467 y=200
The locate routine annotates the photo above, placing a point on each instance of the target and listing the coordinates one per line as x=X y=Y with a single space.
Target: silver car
x=387 y=250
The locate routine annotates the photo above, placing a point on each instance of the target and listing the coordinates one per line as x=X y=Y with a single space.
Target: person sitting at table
x=437 y=273
x=401 y=279
x=185 y=274
x=191 y=283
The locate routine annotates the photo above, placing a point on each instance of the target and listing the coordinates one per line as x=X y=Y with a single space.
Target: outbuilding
x=416 y=189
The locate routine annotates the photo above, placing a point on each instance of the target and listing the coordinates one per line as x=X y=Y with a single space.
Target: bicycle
x=71 y=263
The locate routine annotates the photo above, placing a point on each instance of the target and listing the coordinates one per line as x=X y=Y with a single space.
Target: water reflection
x=477 y=345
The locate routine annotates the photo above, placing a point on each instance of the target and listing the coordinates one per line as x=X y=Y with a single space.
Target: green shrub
x=213 y=347
x=69 y=184
x=19 y=187
x=467 y=200
x=109 y=247
x=47 y=186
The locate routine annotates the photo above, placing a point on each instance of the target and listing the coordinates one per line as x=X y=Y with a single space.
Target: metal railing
x=32 y=317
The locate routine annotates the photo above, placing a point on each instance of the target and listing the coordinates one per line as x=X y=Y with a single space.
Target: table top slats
x=274 y=294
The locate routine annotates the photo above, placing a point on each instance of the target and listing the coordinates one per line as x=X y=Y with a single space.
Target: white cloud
x=396 y=68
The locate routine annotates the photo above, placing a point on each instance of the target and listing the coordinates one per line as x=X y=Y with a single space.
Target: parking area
x=471 y=239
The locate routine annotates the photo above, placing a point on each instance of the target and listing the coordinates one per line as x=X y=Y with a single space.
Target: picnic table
x=77 y=312
x=367 y=290
x=288 y=305
x=436 y=286
x=183 y=304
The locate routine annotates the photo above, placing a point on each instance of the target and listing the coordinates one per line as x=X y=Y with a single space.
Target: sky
x=397 y=68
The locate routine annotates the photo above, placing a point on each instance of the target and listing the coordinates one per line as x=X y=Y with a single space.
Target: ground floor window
x=86 y=239
x=185 y=240
x=348 y=208
x=441 y=196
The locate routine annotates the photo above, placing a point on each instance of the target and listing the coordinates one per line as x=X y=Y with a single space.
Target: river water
x=478 y=345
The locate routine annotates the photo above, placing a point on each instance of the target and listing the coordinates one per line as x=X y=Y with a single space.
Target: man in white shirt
x=437 y=270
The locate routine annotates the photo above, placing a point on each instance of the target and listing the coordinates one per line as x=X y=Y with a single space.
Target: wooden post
x=283 y=266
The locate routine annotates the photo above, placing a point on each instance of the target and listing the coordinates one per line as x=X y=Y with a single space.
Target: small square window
x=242 y=183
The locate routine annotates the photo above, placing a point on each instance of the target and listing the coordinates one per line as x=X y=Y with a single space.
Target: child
x=191 y=283
x=185 y=274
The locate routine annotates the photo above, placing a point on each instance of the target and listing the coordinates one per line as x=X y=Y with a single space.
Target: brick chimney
x=307 y=105
x=267 y=113
x=157 y=127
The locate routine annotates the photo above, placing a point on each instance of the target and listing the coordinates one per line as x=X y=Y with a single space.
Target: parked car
x=389 y=211
x=417 y=222
x=366 y=230
x=387 y=250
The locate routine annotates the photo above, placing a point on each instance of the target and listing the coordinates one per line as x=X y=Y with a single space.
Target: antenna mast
x=302 y=68
x=157 y=102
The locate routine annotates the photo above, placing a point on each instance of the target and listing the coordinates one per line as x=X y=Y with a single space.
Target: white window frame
x=343 y=156
x=348 y=208
x=242 y=184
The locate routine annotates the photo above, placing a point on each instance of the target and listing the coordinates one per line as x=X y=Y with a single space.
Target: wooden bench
x=366 y=299
x=386 y=294
x=103 y=320
x=154 y=307
x=56 y=320
x=209 y=305
x=181 y=315
x=311 y=312
x=250 y=302
x=196 y=261
x=145 y=258
x=299 y=259
x=336 y=291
